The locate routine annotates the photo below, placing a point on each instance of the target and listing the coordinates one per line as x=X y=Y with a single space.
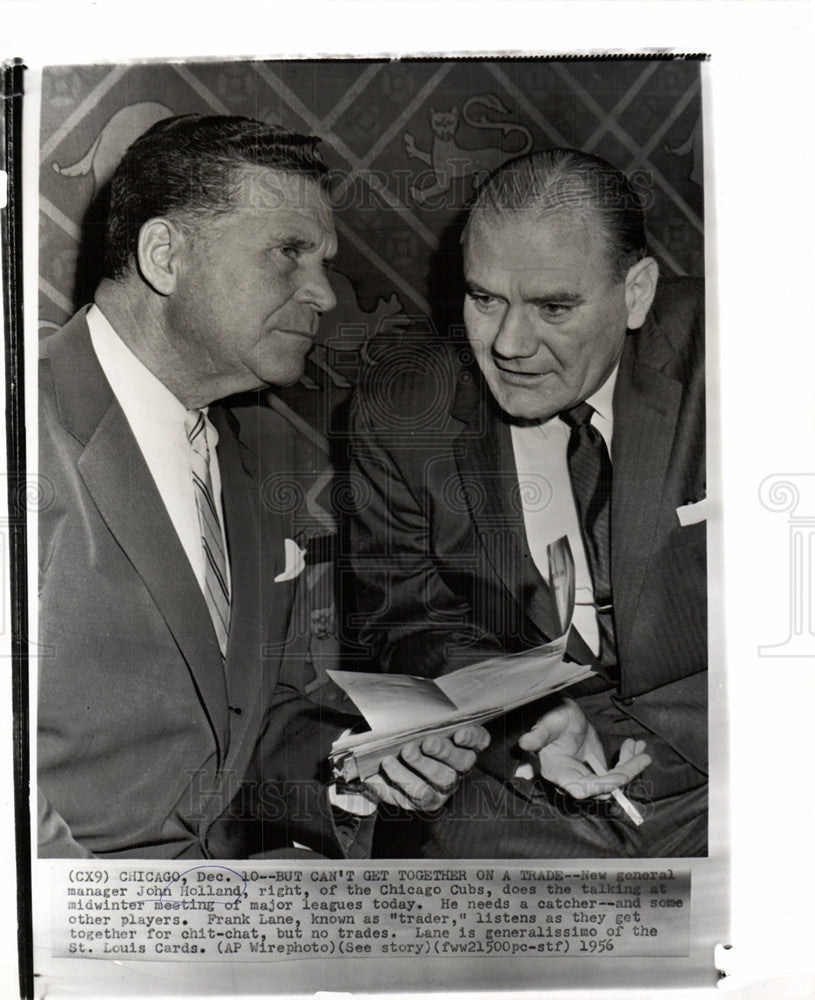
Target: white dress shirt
x=156 y=418
x=548 y=502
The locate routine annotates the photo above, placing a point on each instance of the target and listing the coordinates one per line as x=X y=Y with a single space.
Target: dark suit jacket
x=443 y=566
x=145 y=736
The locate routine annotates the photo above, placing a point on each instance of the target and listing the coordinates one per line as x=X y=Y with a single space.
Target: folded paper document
x=400 y=708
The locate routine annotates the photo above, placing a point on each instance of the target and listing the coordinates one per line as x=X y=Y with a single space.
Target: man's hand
x=425 y=774
x=564 y=738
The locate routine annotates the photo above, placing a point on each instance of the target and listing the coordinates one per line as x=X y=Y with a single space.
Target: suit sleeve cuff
x=354 y=833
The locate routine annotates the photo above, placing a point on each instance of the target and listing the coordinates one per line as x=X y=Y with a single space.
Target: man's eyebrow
x=299 y=243
x=473 y=288
x=293 y=241
x=560 y=295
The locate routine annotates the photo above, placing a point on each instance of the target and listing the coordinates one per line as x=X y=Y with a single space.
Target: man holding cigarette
x=575 y=407
x=168 y=589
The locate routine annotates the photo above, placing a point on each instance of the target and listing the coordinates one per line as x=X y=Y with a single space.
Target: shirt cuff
x=351 y=802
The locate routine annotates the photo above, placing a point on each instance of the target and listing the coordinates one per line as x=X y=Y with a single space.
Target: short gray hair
x=568 y=179
x=188 y=167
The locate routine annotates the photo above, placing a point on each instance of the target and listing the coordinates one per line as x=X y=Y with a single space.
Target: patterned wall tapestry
x=408 y=141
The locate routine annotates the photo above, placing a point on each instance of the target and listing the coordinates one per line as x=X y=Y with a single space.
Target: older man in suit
x=171 y=718
x=575 y=407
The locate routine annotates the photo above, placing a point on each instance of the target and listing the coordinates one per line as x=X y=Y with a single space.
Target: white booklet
x=400 y=708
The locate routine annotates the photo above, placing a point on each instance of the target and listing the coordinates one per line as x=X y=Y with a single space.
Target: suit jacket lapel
x=249 y=564
x=646 y=407
x=255 y=537
x=486 y=464
x=483 y=454
x=129 y=503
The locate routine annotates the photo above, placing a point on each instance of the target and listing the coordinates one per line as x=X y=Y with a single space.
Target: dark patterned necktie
x=590 y=471
x=216 y=589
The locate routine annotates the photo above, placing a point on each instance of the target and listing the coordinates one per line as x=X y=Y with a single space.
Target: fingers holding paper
x=425 y=774
x=570 y=755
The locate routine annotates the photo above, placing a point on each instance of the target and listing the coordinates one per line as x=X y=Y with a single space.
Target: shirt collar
x=148 y=404
x=602 y=400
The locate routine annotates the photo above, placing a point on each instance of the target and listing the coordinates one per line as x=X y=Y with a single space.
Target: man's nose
x=516 y=336
x=316 y=290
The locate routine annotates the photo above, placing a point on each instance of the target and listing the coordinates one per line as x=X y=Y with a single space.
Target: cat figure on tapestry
x=449 y=161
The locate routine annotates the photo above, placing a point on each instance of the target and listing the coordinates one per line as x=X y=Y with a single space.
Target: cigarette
x=622 y=800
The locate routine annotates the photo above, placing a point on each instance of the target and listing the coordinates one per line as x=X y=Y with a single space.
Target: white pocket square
x=692 y=513
x=295 y=561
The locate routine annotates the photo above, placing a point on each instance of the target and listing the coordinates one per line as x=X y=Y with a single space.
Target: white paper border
x=760 y=134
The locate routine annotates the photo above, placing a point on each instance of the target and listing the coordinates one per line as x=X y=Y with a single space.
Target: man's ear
x=157 y=253
x=640 y=288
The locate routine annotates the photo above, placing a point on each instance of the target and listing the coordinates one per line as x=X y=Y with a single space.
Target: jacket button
x=626 y=702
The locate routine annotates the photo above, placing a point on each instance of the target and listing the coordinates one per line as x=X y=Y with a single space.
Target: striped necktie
x=590 y=472
x=216 y=586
